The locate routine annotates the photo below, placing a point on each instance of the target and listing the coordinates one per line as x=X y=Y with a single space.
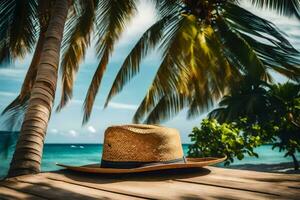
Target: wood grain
x=201 y=183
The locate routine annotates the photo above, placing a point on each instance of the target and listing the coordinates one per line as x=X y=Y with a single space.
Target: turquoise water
x=80 y=154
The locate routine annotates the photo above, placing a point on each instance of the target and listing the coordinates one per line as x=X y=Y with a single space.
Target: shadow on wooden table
x=160 y=175
x=284 y=168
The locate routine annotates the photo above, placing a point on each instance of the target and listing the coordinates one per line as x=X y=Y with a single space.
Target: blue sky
x=65 y=127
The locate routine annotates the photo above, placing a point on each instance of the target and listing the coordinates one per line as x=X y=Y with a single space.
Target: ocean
x=80 y=154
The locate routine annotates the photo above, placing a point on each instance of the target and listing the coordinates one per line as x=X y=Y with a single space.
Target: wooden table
x=205 y=183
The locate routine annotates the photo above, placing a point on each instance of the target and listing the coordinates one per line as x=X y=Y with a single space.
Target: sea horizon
x=68 y=153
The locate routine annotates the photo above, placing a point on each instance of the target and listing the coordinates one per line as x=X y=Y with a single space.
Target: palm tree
x=27 y=156
x=207 y=46
x=249 y=98
x=15 y=109
x=285 y=107
x=275 y=108
x=286 y=101
x=181 y=21
x=17 y=28
x=40 y=83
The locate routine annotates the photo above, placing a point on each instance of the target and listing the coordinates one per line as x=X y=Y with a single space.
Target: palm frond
x=165 y=78
x=206 y=84
x=268 y=43
x=283 y=7
x=18 y=28
x=6 y=12
x=16 y=109
x=110 y=24
x=276 y=59
x=192 y=59
x=244 y=21
x=244 y=55
x=77 y=39
x=161 y=85
x=131 y=66
x=165 y=7
x=246 y=98
x=168 y=106
x=238 y=44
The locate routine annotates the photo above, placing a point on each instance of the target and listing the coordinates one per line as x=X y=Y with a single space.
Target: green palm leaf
x=15 y=110
x=247 y=98
x=77 y=39
x=166 y=107
x=283 y=7
x=244 y=21
x=239 y=50
x=276 y=59
x=166 y=77
x=131 y=65
x=110 y=23
x=236 y=30
x=18 y=28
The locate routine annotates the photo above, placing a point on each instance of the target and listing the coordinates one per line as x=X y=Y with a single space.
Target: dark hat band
x=130 y=164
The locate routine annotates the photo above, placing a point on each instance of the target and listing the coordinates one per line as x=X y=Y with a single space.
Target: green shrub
x=214 y=140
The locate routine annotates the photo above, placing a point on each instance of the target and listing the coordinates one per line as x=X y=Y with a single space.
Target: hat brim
x=190 y=163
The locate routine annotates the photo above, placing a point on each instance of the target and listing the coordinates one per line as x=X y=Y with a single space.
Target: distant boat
x=74 y=146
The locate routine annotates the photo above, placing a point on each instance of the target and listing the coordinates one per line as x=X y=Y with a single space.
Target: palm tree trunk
x=296 y=163
x=31 y=73
x=28 y=154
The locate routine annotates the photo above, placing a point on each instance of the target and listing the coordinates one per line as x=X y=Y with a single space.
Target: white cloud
x=54 y=131
x=91 y=129
x=73 y=133
x=122 y=106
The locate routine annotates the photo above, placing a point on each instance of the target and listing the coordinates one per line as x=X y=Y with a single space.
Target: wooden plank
x=221 y=180
x=159 y=189
x=258 y=176
x=271 y=189
x=289 y=180
x=205 y=183
x=10 y=194
x=43 y=178
x=59 y=190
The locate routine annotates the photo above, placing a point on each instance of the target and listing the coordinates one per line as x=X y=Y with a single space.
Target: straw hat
x=140 y=148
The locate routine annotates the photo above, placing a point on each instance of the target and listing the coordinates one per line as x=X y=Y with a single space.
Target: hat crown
x=141 y=143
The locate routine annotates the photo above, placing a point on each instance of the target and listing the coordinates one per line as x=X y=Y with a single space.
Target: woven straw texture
x=141 y=143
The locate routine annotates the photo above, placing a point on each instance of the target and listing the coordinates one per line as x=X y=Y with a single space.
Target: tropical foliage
x=200 y=61
x=104 y=19
x=283 y=7
x=226 y=139
x=207 y=47
x=285 y=117
x=273 y=109
x=37 y=94
x=184 y=30
x=36 y=31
